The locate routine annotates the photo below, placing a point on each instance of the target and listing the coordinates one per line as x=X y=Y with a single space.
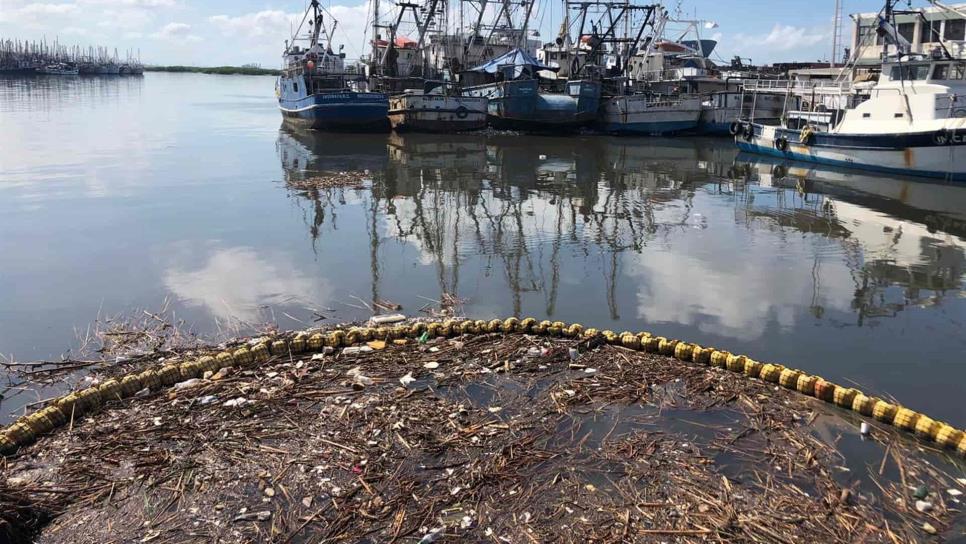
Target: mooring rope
x=86 y=401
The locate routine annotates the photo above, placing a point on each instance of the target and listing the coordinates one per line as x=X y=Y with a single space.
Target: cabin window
x=870 y=31
x=955 y=29
x=909 y=72
x=953 y=71
x=929 y=32
x=907 y=31
x=295 y=86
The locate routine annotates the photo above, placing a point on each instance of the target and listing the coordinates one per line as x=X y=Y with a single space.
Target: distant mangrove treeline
x=226 y=70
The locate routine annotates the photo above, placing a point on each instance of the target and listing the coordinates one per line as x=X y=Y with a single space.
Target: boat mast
x=888 y=20
x=423 y=28
x=526 y=23
x=316 y=24
x=374 y=63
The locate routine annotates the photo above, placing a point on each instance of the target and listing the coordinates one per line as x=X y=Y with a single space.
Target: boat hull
x=723 y=109
x=437 y=113
x=928 y=154
x=642 y=115
x=521 y=105
x=345 y=111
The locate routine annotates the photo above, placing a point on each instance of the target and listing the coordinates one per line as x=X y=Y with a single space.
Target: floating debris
x=643 y=448
x=386 y=319
x=352 y=180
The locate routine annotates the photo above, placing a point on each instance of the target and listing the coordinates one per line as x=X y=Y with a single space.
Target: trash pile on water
x=495 y=438
x=330 y=180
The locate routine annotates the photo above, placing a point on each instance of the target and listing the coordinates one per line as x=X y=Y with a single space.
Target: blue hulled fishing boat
x=315 y=90
x=518 y=101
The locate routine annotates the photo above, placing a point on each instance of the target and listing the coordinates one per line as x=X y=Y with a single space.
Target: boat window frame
x=904 y=71
x=953 y=71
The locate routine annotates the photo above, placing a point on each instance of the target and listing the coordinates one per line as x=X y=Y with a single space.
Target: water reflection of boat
x=458 y=152
x=911 y=234
x=938 y=206
x=666 y=162
x=305 y=152
x=523 y=213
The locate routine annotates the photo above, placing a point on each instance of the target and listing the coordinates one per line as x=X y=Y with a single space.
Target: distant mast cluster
x=55 y=58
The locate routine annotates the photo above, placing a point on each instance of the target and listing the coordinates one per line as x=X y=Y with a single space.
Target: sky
x=235 y=32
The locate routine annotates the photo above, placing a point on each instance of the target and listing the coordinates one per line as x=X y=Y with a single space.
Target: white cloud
x=34 y=13
x=235 y=283
x=782 y=42
x=47 y=9
x=176 y=32
x=131 y=3
x=267 y=23
x=268 y=29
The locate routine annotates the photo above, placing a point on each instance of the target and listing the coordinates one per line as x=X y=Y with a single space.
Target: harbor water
x=185 y=190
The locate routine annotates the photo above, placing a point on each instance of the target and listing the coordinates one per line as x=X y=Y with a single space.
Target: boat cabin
x=912 y=94
x=917 y=72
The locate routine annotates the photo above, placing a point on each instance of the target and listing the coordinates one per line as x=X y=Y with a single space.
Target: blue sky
x=216 y=32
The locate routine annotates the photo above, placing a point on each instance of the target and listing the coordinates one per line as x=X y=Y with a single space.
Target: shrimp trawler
x=912 y=123
x=422 y=97
x=522 y=92
x=315 y=90
x=629 y=107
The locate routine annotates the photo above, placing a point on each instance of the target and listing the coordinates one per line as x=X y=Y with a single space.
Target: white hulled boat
x=628 y=107
x=914 y=121
x=424 y=96
x=58 y=69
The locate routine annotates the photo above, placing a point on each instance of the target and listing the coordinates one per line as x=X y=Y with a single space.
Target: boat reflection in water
x=807 y=267
x=516 y=203
x=910 y=233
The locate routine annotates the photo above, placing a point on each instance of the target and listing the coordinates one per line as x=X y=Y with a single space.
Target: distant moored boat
x=59 y=69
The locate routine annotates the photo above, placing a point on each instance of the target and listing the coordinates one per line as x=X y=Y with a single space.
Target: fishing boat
x=627 y=106
x=912 y=123
x=316 y=91
x=439 y=107
x=58 y=69
x=511 y=83
x=722 y=109
x=423 y=97
x=524 y=93
x=650 y=114
x=678 y=59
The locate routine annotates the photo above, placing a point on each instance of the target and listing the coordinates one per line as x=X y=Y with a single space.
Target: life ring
x=462 y=112
x=781 y=143
x=735 y=128
x=780 y=171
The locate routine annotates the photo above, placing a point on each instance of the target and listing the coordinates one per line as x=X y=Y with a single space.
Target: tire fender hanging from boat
x=781 y=143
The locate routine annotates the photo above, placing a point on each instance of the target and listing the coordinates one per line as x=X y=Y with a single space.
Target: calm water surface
x=120 y=194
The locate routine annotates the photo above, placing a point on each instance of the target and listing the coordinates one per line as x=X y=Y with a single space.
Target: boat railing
x=798 y=86
x=664 y=74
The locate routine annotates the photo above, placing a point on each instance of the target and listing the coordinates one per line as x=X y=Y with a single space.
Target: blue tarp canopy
x=516 y=57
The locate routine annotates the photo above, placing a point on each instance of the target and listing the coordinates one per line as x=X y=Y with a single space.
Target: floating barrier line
x=87 y=401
